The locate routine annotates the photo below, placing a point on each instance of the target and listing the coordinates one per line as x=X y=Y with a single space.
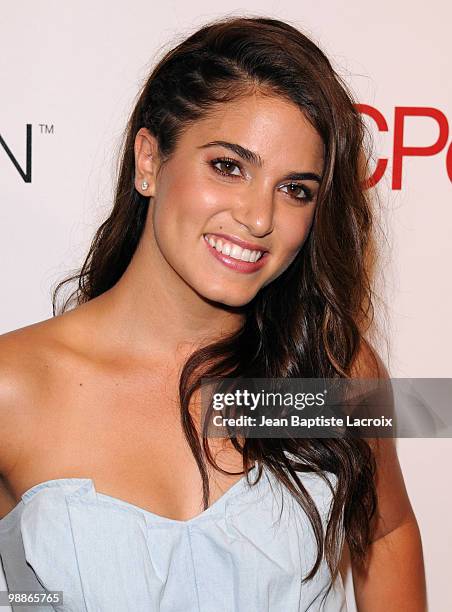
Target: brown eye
x=227 y=163
x=297 y=189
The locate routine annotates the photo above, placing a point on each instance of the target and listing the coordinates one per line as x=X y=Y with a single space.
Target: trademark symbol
x=45 y=128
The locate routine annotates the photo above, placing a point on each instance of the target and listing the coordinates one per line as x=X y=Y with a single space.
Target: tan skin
x=93 y=392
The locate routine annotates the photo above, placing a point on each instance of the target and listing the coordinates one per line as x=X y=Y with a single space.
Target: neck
x=152 y=312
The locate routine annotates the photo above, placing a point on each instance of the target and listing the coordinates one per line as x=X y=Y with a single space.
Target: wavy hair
x=308 y=322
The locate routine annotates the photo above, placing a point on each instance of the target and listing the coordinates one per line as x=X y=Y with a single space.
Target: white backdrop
x=71 y=71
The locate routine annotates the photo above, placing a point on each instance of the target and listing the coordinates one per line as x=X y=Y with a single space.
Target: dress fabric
x=247 y=552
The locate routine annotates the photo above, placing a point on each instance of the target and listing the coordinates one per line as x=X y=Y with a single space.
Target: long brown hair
x=308 y=322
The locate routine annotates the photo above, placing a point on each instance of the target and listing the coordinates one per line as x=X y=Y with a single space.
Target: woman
x=237 y=246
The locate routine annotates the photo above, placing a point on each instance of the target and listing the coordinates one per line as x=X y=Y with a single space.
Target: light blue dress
x=246 y=553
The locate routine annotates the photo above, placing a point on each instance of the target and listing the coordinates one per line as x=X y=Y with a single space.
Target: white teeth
x=236 y=251
x=233 y=250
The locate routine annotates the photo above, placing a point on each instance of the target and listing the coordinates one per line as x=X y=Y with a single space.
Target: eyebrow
x=256 y=160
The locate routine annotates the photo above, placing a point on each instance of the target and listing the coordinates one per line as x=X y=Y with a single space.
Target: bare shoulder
x=393 y=504
x=376 y=384
x=27 y=358
x=368 y=363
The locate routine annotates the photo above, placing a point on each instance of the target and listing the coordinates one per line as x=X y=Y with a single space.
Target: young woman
x=236 y=246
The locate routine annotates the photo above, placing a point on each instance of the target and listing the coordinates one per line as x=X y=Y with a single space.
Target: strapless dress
x=247 y=552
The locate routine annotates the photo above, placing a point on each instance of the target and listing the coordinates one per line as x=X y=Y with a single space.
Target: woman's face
x=247 y=174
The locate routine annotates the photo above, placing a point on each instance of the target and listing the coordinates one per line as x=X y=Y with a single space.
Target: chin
x=238 y=303
x=228 y=298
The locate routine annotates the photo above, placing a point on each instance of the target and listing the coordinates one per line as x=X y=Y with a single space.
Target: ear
x=146 y=161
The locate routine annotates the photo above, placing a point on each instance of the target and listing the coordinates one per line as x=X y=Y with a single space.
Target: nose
x=255 y=210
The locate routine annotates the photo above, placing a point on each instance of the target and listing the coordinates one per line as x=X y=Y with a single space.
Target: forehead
x=271 y=126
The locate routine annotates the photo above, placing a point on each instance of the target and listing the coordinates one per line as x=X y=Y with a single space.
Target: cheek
x=186 y=203
x=294 y=234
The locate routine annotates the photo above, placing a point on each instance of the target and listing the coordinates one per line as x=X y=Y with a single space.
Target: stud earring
x=144 y=185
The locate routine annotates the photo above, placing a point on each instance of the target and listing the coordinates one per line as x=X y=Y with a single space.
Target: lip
x=252 y=246
x=237 y=265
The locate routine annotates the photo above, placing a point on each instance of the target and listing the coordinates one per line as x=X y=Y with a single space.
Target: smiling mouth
x=244 y=264
x=233 y=250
